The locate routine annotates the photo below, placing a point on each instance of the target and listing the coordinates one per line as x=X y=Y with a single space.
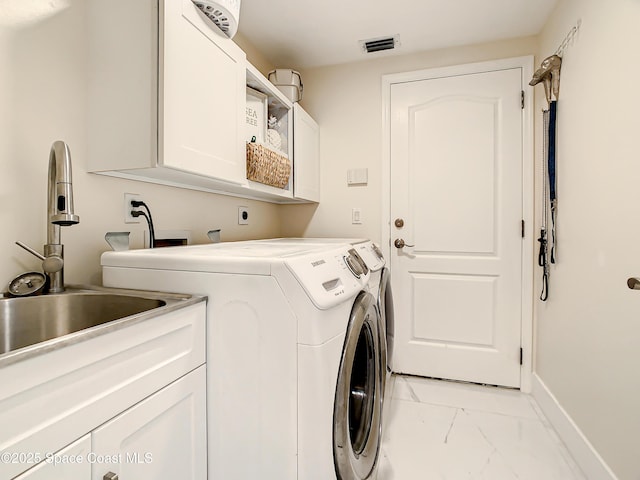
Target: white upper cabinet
x=280 y=108
x=306 y=152
x=203 y=96
x=300 y=141
x=166 y=95
x=167 y=101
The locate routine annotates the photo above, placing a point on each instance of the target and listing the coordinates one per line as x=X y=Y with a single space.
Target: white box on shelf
x=256 y=115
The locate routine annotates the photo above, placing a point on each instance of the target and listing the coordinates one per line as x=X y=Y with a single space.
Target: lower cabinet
x=161 y=437
x=70 y=463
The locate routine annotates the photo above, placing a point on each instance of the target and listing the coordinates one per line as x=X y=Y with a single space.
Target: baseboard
x=587 y=458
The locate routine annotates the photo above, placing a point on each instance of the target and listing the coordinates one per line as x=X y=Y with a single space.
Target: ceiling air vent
x=379 y=44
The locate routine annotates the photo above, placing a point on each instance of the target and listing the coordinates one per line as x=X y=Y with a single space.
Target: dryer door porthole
x=357 y=408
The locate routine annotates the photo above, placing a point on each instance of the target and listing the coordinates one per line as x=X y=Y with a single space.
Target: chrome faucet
x=59 y=214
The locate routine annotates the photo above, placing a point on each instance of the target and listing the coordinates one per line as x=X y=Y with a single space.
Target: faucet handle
x=31 y=250
x=52 y=264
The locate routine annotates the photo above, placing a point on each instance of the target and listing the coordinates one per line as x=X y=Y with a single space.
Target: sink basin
x=26 y=321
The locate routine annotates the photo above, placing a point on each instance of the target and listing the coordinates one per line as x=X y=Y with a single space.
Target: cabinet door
x=306 y=156
x=202 y=96
x=162 y=437
x=70 y=463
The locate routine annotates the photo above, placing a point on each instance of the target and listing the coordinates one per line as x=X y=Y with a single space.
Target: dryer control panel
x=371 y=255
x=330 y=278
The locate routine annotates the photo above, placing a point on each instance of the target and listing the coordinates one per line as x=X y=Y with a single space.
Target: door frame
x=528 y=193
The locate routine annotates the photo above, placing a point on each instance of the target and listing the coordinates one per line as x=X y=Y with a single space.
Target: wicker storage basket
x=267 y=166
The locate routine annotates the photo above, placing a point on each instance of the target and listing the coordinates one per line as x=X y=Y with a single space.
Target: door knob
x=399 y=222
x=399 y=243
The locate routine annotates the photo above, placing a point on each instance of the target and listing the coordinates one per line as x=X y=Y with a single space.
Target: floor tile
x=465 y=395
x=440 y=430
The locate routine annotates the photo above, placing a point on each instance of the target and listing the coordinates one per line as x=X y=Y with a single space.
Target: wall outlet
x=128 y=218
x=243 y=215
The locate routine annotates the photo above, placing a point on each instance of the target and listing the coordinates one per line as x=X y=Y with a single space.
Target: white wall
x=346 y=101
x=588 y=332
x=42 y=99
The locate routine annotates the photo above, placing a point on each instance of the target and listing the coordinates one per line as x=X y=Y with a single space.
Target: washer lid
x=246 y=257
x=313 y=241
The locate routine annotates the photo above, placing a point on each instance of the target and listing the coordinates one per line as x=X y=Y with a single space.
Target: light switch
x=356 y=216
x=358 y=176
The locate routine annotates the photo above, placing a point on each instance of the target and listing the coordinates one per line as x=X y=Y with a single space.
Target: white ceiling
x=308 y=33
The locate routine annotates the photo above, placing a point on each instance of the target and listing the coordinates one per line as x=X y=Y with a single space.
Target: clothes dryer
x=380 y=286
x=293 y=354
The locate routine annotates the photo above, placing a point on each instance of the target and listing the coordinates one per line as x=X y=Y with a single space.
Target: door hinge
x=522 y=99
x=520 y=356
x=522 y=228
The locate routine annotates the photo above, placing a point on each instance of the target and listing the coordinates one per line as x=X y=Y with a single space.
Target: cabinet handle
x=110 y=476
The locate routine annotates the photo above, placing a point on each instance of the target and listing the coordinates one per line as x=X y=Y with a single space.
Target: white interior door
x=456 y=183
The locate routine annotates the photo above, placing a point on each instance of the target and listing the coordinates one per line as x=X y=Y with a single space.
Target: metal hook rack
x=568 y=40
x=549 y=71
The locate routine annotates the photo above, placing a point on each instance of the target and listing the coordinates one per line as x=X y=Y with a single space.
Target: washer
x=380 y=287
x=293 y=354
x=379 y=284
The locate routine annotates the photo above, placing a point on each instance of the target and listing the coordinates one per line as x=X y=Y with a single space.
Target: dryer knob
x=377 y=251
x=354 y=266
x=356 y=256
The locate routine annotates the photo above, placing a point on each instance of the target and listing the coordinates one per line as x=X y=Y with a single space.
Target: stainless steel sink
x=28 y=321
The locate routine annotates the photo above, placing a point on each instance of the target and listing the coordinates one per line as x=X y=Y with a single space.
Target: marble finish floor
x=439 y=430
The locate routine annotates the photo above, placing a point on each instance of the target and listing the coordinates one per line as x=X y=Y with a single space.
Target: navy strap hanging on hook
x=551 y=168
